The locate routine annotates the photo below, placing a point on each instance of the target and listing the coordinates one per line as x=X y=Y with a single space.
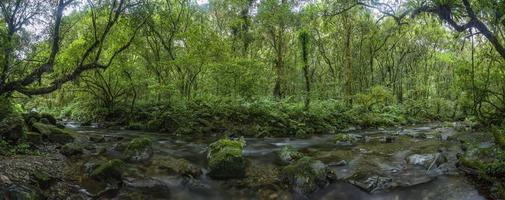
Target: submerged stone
x=226 y=160
x=374 y=183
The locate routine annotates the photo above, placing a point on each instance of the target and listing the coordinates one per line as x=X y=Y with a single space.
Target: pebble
x=4 y=180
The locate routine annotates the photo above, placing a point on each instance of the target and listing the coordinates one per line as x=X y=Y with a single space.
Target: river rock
x=288 y=154
x=177 y=166
x=347 y=139
x=20 y=192
x=412 y=133
x=425 y=160
x=53 y=133
x=139 y=150
x=71 y=149
x=226 y=160
x=374 y=183
x=306 y=175
x=109 y=170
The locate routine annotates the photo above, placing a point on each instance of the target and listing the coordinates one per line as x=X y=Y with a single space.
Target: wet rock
x=412 y=133
x=425 y=160
x=139 y=150
x=110 y=170
x=288 y=154
x=306 y=175
x=374 y=183
x=20 y=192
x=338 y=164
x=148 y=187
x=177 y=166
x=226 y=160
x=347 y=139
x=71 y=149
x=97 y=138
x=53 y=133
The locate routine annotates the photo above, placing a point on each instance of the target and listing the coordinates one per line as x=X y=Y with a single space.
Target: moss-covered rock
x=43 y=180
x=346 y=139
x=139 y=150
x=226 y=160
x=53 y=134
x=288 y=154
x=71 y=149
x=33 y=137
x=110 y=170
x=11 y=128
x=48 y=118
x=179 y=166
x=307 y=175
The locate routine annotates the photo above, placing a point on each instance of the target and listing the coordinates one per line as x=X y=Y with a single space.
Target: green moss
x=289 y=154
x=499 y=136
x=138 y=144
x=226 y=160
x=112 y=169
x=53 y=133
x=344 y=138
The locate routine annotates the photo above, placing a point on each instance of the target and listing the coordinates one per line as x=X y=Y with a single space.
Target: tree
x=23 y=64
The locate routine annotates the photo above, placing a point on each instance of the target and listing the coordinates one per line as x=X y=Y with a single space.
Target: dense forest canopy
x=438 y=58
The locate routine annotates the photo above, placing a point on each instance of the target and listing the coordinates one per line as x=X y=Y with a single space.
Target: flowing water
x=413 y=182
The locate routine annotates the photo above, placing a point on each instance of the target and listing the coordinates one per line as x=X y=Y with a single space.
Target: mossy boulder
x=109 y=170
x=306 y=175
x=139 y=150
x=226 y=160
x=48 y=118
x=33 y=137
x=71 y=149
x=53 y=133
x=288 y=154
x=11 y=128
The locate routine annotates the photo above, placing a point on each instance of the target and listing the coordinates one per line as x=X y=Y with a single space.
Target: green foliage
x=499 y=136
x=7 y=149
